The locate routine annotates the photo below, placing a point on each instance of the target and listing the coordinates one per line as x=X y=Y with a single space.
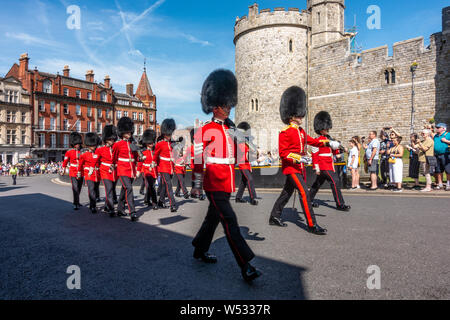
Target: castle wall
x=356 y=94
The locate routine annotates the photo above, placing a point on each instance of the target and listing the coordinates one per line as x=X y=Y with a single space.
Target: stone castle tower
x=279 y=48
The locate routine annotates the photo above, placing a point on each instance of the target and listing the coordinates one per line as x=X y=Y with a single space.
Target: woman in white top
x=396 y=163
x=352 y=163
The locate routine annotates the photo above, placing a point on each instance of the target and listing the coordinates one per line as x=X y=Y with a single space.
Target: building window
x=392 y=76
x=53 y=140
x=386 y=76
x=10 y=117
x=78 y=108
x=103 y=96
x=290 y=46
x=52 y=124
x=150 y=117
x=151 y=104
x=141 y=116
x=134 y=116
x=24 y=117
x=89 y=126
x=52 y=107
x=41 y=123
x=42 y=106
x=66 y=92
x=256 y=105
x=66 y=125
x=253 y=105
x=125 y=113
x=89 y=96
x=78 y=94
x=66 y=141
x=66 y=108
x=89 y=112
x=99 y=127
x=47 y=86
x=41 y=140
x=10 y=136
x=318 y=17
x=99 y=113
x=23 y=137
x=108 y=114
x=118 y=114
x=78 y=126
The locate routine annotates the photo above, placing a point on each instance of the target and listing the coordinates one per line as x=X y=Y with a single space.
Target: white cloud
x=32 y=40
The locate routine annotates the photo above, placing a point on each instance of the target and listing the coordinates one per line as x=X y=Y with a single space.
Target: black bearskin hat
x=244 y=126
x=322 y=121
x=109 y=133
x=293 y=104
x=219 y=90
x=91 y=139
x=75 y=138
x=125 y=125
x=168 y=126
x=148 y=137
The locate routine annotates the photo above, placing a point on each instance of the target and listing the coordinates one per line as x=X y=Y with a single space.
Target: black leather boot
x=317 y=230
x=250 y=273
x=273 y=221
x=205 y=257
x=344 y=207
x=239 y=200
x=254 y=202
x=134 y=217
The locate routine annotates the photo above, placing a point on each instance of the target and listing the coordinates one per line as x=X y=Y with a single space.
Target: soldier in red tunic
x=164 y=160
x=200 y=196
x=148 y=168
x=214 y=145
x=323 y=163
x=180 y=171
x=292 y=148
x=243 y=155
x=71 y=158
x=88 y=166
x=108 y=173
x=125 y=157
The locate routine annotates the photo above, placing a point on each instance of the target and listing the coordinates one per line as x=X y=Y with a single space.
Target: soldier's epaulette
x=207 y=122
x=285 y=128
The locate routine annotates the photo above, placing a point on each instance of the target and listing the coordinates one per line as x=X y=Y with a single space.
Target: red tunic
x=72 y=156
x=163 y=157
x=292 y=142
x=105 y=162
x=88 y=163
x=180 y=164
x=243 y=157
x=216 y=148
x=192 y=156
x=322 y=157
x=125 y=159
x=145 y=167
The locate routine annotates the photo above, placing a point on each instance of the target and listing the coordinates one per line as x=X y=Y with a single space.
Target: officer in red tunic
x=292 y=148
x=180 y=173
x=108 y=173
x=148 y=168
x=323 y=163
x=125 y=157
x=200 y=196
x=164 y=160
x=88 y=166
x=243 y=153
x=214 y=145
x=71 y=158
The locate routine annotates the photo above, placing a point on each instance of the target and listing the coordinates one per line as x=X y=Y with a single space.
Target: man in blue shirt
x=372 y=157
x=442 y=153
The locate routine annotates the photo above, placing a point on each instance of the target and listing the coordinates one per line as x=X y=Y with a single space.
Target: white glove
x=334 y=145
x=91 y=171
x=305 y=160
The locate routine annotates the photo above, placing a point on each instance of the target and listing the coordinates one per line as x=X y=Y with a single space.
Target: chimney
x=23 y=68
x=107 y=82
x=90 y=75
x=130 y=89
x=66 y=71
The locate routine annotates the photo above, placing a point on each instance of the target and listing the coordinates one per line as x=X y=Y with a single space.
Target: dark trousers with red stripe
x=246 y=181
x=97 y=190
x=110 y=187
x=150 y=191
x=166 y=188
x=180 y=184
x=142 y=189
x=333 y=179
x=114 y=190
x=126 y=195
x=77 y=184
x=92 y=193
x=295 y=181
x=220 y=210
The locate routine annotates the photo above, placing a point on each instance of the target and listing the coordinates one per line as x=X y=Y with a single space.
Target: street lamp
x=413 y=69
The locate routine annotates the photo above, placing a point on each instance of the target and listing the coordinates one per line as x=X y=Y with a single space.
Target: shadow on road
x=42 y=236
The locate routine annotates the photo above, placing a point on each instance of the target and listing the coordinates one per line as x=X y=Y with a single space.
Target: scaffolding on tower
x=352 y=32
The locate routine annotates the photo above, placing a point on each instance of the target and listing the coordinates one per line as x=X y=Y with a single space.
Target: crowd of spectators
x=26 y=169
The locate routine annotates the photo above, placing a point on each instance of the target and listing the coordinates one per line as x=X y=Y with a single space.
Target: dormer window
x=47 y=86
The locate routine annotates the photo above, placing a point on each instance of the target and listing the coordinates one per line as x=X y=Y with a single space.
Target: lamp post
x=413 y=69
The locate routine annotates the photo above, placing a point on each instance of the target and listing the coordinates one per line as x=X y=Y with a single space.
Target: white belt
x=326 y=155
x=74 y=165
x=107 y=164
x=90 y=168
x=126 y=160
x=149 y=165
x=165 y=159
x=179 y=165
x=212 y=160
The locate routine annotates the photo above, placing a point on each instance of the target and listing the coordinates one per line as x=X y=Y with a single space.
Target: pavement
x=406 y=235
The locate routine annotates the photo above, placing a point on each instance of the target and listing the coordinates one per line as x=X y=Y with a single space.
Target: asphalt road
x=406 y=236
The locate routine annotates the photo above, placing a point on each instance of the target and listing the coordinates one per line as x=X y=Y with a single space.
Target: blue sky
x=182 y=40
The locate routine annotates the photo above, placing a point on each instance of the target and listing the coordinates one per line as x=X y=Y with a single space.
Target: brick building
x=15 y=121
x=61 y=104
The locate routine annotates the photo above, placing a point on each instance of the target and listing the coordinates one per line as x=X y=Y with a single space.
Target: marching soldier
x=71 y=158
x=108 y=173
x=292 y=148
x=180 y=172
x=164 y=160
x=88 y=166
x=201 y=196
x=323 y=163
x=148 y=168
x=215 y=145
x=245 y=168
x=125 y=157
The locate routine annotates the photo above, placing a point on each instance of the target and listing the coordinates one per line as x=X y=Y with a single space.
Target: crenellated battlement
x=266 y=18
